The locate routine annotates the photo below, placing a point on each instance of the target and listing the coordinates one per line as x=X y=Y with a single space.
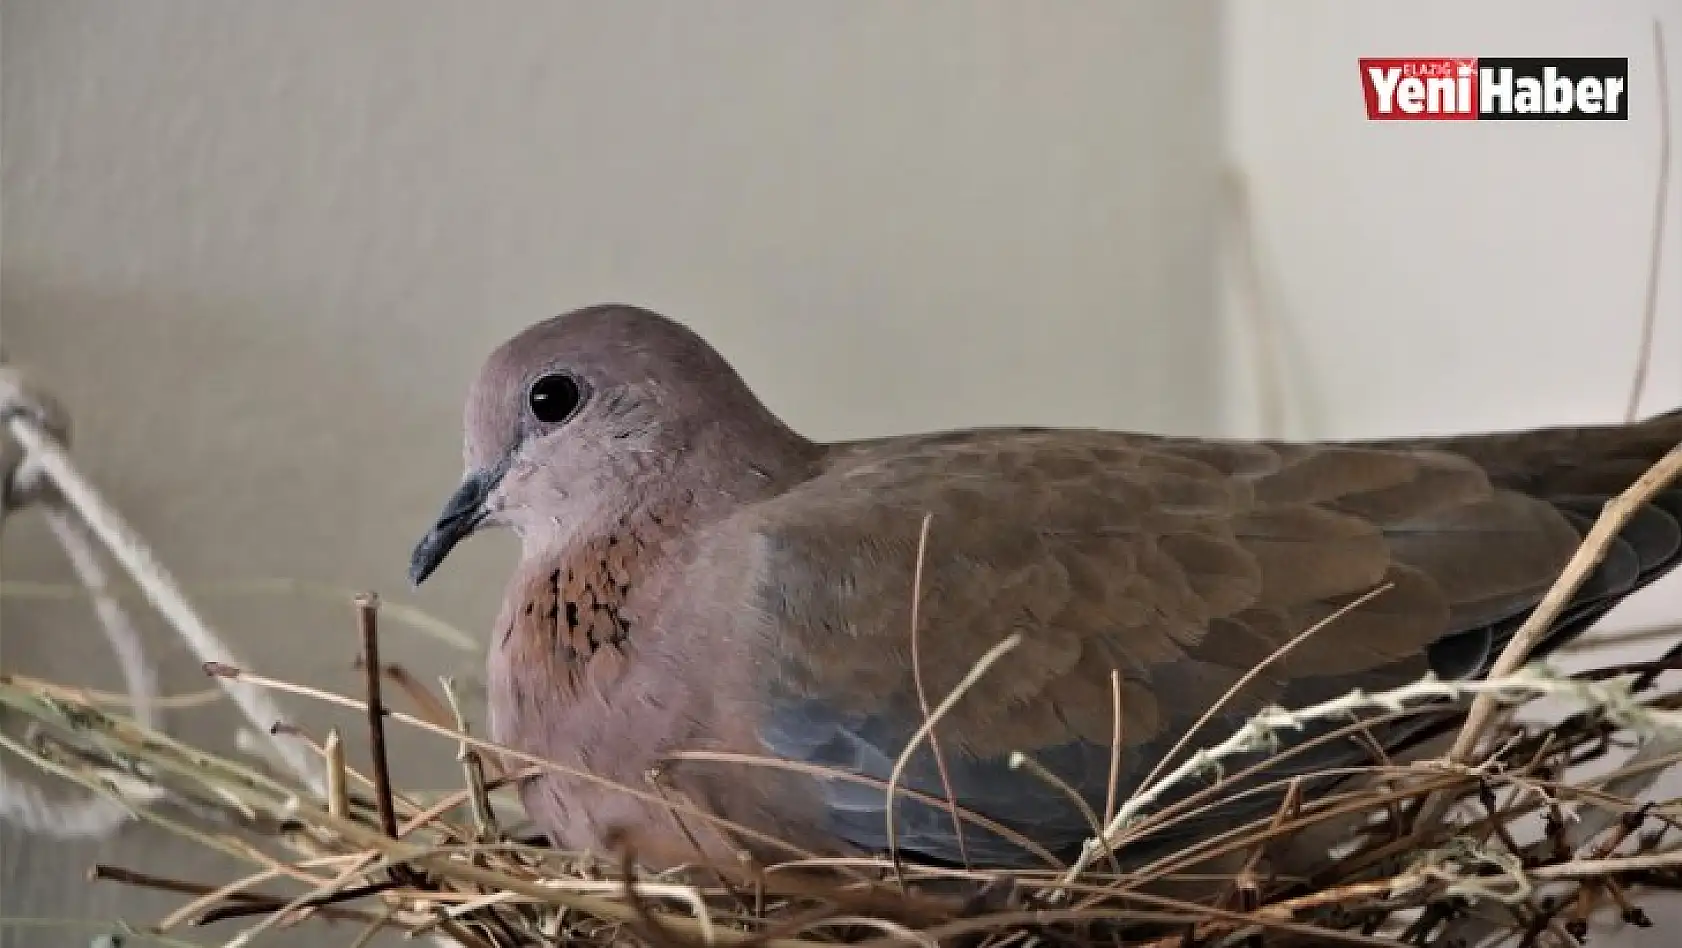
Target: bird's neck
x=593 y=571
x=670 y=490
x=577 y=610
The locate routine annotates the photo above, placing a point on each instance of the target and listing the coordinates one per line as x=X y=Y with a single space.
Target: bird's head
x=583 y=413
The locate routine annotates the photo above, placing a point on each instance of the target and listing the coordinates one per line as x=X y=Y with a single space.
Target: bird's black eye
x=553 y=398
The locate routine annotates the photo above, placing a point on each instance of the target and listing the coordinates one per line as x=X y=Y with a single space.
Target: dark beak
x=462 y=514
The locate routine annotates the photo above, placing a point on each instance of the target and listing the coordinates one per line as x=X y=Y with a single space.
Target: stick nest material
x=1519 y=846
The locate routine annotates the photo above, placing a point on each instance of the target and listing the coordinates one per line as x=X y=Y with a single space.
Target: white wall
x=1439 y=276
x=259 y=249
x=1435 y=276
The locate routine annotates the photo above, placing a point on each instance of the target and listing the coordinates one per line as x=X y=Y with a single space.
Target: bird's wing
x=1177 y=565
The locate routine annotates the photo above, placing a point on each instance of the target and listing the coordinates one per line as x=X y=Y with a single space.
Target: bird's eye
x=553 y=398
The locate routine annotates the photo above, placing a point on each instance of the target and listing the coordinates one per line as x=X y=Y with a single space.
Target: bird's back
x=1177 y=565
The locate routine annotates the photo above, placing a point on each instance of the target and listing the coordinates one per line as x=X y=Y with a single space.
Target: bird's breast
x=565 y=644
x=577 y=678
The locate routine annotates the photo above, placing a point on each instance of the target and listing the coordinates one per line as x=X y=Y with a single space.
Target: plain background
x=260 y=248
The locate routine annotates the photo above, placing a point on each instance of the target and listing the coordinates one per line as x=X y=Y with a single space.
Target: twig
x=104 y=873
x=367 y=621
x=502 y=912
x=1288 y=808
x=1655 y=244
x=484 y=818
x=1263 y=728
x=1249 y=676
x=181 y=702
x=1116 y=734
x=923 y=695
x=1599 y=641
x=324 y=889
x=968 y=681
x=221 y=893
x=953 y=931
x=1588 y=556
x=401 y=801
x=1212 y=795
x=426 y=703
x=1021 y=761
x=396 y=852
x=1148 y=791
x=1587 y=868
x=338 y=795
x=322 y=903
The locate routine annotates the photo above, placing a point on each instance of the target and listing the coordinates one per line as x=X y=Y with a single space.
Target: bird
x=709 y=635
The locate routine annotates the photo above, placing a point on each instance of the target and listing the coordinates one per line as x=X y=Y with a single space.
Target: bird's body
x=702 y=588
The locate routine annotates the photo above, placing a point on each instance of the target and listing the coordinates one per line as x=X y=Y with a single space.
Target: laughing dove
x=697 y=577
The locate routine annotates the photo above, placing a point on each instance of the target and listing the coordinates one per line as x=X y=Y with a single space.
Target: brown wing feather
x=1113 y=551
x=1177 y=564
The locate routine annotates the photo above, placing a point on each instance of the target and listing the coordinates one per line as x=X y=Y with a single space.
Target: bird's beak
x=462 y=514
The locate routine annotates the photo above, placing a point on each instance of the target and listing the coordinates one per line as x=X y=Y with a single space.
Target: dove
x=709 y=633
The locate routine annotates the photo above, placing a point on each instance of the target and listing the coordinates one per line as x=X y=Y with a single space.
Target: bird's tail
x=1577 y=470
x=1582 y=460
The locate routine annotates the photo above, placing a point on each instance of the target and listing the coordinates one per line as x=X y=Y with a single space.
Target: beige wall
x=259 y=248
x=1505 y=263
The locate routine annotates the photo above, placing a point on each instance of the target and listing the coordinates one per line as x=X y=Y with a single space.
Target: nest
x=1527 y=840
